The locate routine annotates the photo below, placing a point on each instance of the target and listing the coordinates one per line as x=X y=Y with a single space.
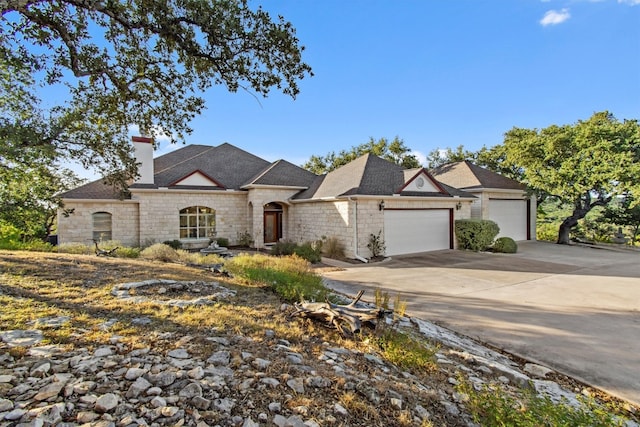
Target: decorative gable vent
x=421 y=182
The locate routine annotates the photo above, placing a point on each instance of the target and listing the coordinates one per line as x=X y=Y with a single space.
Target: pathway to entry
x=575 y=309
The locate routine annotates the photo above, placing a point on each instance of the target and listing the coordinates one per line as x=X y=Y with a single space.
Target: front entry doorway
x=272 y=223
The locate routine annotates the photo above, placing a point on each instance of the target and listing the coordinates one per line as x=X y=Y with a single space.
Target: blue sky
x=437 y=74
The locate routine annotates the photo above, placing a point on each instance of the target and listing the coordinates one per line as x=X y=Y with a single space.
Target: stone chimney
x=143 y=146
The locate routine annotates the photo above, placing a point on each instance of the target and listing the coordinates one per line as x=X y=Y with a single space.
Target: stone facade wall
x=78 y=226
x=311 y=221
x=160 y=213
x=257 y=198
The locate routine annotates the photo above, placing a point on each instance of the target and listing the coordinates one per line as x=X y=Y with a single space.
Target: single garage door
x=511 y=217
x=410 y=231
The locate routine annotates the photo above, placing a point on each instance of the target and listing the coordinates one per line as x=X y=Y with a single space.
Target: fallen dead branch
x=348 y=319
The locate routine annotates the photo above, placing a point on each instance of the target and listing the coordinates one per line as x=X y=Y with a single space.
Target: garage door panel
x=411 y=231
x=511 y=217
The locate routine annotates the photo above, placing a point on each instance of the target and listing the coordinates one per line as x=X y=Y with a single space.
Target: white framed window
x=197 y=222
x=101 y=226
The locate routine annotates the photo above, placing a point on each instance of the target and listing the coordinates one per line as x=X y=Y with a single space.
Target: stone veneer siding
x=160 y=213
x=257 y=198
x=78 y=226
x=313 y=220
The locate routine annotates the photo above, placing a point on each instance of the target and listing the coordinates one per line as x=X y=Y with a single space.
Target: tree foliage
x=28 y=198
x=76 y=76
x=624 y=212
x=116 y=64
x=395 y=151
x=585 y=164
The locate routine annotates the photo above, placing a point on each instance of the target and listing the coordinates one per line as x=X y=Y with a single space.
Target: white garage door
x=511 y=217
x=410 y=231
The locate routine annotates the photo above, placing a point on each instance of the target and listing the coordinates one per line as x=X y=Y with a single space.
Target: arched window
x=101 y=226
x=197 y=222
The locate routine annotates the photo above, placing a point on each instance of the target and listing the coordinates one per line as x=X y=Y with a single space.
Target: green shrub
x=36 y=245
x=475 y=234
x=283 y=248
x=547 y=232
x=175 y=244
x=222 y=241
x=128 y=252
x=160 y=252
x=309 y=252
x=333 y=248
x=9 y=236
x=290 y=277
x=505 y=245
x=244 y=239
x=407 y=352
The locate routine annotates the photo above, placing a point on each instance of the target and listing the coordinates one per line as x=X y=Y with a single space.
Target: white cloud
x=630 y=2
x=555 y=17
x=422 y=158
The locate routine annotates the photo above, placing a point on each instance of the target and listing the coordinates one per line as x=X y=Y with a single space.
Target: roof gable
x=420 y=181
x=465 y=175
x=197 y=179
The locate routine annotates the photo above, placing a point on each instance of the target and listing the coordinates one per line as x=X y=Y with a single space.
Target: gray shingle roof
x=94 y=190
x=467 y=176
x=368 y=175
x=283 y=173
x=228 y=165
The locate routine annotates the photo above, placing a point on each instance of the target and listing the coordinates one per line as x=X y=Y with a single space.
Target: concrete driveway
x=574 y=309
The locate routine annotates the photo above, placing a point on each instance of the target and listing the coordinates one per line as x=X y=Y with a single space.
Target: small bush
x=407 y=352
x=308 y=252
x=283 y=248
x=197 y=258
x=174 y=244
x=376 y=244
x=475 y=234
x=222 y=241
x=75 y=248
x=244 y=239
x=160 y=252
x=333 y=248
x=290 y=277
x=127 y=252
x=505 y=245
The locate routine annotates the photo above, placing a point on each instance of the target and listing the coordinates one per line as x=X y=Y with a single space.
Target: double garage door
x=417 y=230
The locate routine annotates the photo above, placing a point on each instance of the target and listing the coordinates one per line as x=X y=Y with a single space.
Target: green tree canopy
x=76 y=76
x=117 y=64
x=625 y=212
x=586 y=164
x=395 y=151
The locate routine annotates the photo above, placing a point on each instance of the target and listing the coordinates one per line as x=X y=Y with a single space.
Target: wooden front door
x=271 y=227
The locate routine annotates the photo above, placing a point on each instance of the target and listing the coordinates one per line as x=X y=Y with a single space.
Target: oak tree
x=100 y=67
x=585 y=164
x=395 y=151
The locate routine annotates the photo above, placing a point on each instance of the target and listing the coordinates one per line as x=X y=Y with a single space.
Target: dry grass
x=37 y=285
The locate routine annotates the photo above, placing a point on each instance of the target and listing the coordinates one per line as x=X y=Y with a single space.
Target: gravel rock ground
x=225 y=378
x=243 y=382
